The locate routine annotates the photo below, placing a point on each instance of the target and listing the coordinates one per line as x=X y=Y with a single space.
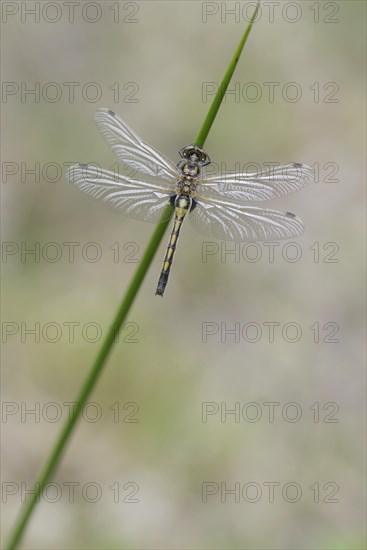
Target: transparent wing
x=139 y=199
x=268 y=184
x=228 y=221
x=131 y=150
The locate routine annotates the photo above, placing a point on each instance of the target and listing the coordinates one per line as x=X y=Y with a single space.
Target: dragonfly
x=215 y=203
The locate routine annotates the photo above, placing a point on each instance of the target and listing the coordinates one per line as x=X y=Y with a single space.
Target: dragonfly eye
x=205 y=160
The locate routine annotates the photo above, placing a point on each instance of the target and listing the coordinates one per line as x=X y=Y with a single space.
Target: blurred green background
x=164 y=371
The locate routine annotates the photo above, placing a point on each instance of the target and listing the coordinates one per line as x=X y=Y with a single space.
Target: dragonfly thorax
x=190 y=169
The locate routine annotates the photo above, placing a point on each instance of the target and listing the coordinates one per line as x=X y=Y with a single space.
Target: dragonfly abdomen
x=182 y=207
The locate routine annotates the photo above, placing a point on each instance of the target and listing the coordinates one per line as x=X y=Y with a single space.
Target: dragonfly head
x=195 y=155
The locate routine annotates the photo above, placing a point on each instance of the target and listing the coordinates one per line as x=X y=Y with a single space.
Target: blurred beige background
x=144 y=452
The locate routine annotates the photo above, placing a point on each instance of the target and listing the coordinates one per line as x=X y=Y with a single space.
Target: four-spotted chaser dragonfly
x=215 y=203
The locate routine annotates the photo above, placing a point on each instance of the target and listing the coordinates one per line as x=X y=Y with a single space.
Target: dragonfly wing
x=263 y=185
x=130 y=149
x=224 y=220
x=135 y=198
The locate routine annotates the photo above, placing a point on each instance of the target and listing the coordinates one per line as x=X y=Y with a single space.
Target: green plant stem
x=218 y=98
x=107 y=345
x=93 y=375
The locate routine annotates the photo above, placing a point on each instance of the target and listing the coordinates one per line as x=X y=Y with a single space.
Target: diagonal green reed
x=131 y=292
x=218 y=98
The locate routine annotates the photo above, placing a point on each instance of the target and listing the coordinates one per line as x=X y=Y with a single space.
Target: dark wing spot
x=297 y=165
x=112 y=113
x=172 y=200
x=83 y=165
x=193 y=205
x=290 y=215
